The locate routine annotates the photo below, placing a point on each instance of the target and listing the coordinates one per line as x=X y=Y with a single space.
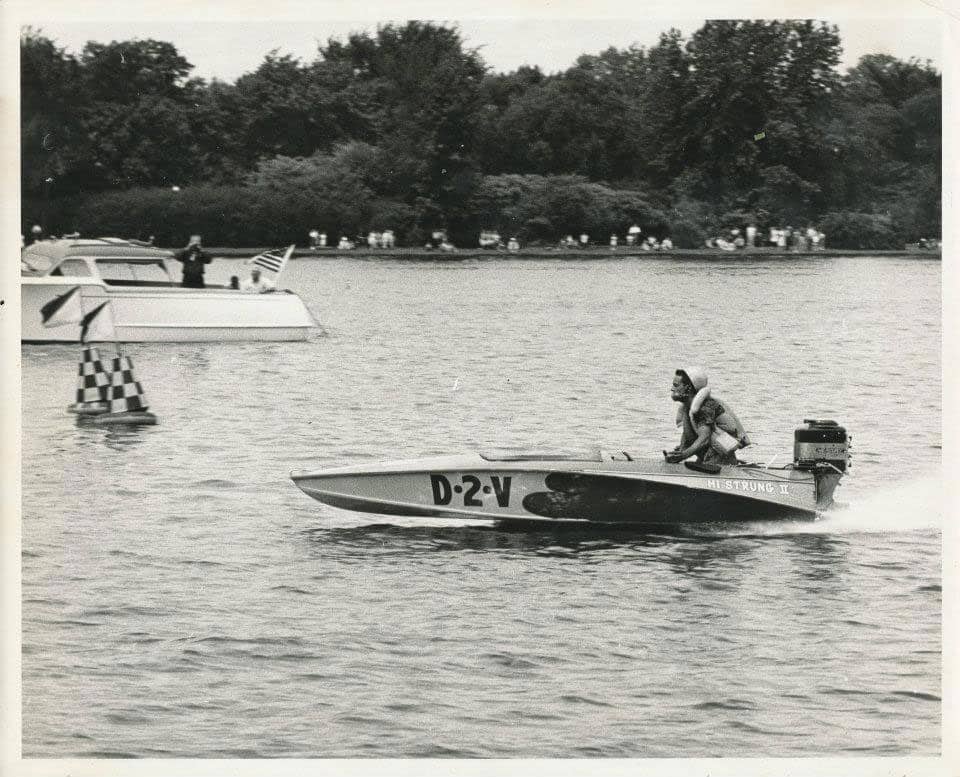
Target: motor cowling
x=821 y=442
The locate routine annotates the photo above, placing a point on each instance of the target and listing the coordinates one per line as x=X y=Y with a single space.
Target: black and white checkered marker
x=93 y=381
x=126 y=393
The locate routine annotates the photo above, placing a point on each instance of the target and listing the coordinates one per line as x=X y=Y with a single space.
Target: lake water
x=182 y=598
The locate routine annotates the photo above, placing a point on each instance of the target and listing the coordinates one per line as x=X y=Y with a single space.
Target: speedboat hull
x=606 y=488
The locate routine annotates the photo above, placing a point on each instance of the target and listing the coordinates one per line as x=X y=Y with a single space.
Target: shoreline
x=598 y=252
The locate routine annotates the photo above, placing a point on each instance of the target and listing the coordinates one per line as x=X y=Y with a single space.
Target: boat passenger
x=711 y=430
x=255 y=284
x=193 y=258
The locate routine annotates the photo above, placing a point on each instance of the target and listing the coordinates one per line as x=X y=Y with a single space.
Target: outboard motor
x=821 y=442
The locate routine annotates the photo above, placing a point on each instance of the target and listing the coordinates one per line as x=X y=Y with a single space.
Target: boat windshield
x=540 y=456
x=116 y=272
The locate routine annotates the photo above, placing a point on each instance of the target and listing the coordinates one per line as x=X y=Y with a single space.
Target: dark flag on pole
x=62 y=310
x=97 y=324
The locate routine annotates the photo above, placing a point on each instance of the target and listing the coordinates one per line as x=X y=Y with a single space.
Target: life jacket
x=727 y=420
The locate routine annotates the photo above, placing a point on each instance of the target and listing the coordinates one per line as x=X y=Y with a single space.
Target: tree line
x=408 y=129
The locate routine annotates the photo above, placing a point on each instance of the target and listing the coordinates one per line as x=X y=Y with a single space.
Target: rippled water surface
x=182 y=598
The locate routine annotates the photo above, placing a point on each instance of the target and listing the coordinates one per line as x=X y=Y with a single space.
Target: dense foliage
x=745 y=122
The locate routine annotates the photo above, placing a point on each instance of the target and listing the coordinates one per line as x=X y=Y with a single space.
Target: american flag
x=273 y=260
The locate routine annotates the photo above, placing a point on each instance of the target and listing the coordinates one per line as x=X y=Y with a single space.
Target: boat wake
x=909 y=505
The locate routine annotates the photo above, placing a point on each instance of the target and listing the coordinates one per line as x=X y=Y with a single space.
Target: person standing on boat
x=193 y=258
x=711 y=430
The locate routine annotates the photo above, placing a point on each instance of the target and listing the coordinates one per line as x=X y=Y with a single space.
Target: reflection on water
x=118 y=437
x=687 y=551
x=818 y=557
x=197 y=357
x=570 y=536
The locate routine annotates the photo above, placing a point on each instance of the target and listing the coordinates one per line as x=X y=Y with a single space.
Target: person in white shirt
x=255 y=284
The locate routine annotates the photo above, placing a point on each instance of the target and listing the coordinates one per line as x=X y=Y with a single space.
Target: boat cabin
x=111 y=261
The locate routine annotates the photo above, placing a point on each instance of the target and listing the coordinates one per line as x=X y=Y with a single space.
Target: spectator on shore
x=193 y=258
x=782 y=236
x=234 y=282
x=373 y=239
x=513 y=244
x=490 y=239
x=633 y=235
x=323 y=239
x=36 y=234
x=345 y=244
x=584 y=239
x=666 y=244
x=314 y=239
x=613 y=242
x=255 y=284
x=386 y=239
x=751 y=235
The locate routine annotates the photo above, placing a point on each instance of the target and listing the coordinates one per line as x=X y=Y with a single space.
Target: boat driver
x=193 y=258
x=711 y=430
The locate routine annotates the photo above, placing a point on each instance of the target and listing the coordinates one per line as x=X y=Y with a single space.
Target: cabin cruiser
x=606 y=487
x=147 y=304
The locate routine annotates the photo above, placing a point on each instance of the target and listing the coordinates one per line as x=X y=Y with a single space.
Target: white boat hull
x=169 y=313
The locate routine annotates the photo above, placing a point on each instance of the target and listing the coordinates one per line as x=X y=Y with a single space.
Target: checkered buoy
x=127 y=401
x=93 y=383
x=126 y=393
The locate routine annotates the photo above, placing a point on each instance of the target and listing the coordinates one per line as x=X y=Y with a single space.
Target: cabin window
x=74 y=268
x=133 y=273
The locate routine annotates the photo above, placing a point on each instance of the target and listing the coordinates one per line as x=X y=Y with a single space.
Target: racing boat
x=146 y=303
x=606 y=487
